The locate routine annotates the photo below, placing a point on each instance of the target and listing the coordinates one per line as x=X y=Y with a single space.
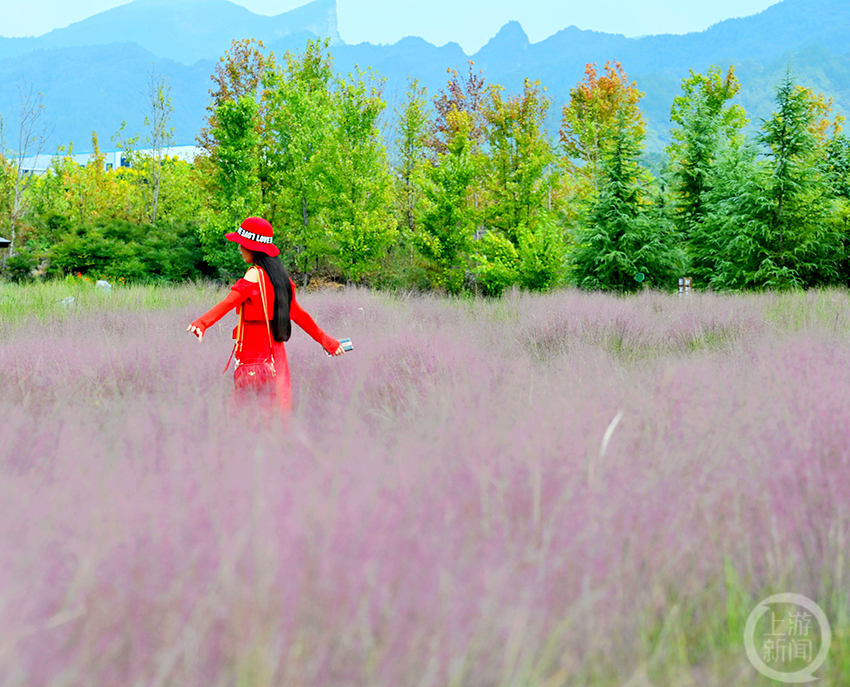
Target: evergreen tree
x=598 y=107
x=838 y=165
x=771 y=220
x=703 y=122
x=838 y=171
x=623 y=244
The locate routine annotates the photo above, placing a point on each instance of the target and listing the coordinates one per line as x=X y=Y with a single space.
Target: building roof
x=4 y=243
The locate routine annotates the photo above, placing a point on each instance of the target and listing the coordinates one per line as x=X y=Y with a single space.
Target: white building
x=112 y=159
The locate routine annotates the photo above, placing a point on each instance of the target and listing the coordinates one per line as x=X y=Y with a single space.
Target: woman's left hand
x=197 y=331
x=339 y=351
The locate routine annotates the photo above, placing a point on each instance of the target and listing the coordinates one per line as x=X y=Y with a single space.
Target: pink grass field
x=442 y=510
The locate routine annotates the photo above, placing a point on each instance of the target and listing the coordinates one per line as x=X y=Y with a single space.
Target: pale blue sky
x=468 y=22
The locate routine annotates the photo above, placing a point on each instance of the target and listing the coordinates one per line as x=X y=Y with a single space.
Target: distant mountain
x=95 y=88
x=810 y=35
x=184 y=31
x=93 y=73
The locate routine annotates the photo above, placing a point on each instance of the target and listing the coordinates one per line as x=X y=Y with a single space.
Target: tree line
x=461 y=191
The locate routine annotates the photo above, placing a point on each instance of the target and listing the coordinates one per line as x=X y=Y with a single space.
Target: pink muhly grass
x=440 y=509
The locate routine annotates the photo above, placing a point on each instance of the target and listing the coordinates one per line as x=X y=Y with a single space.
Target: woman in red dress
x=265 y=279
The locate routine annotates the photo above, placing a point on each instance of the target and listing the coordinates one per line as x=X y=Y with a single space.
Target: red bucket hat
x=255 y=233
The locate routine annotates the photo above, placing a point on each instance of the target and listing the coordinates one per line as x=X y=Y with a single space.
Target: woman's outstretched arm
x=214 y=314
x=302 y=318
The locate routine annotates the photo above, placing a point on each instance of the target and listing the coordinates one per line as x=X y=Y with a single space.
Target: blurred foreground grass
x=445 y=508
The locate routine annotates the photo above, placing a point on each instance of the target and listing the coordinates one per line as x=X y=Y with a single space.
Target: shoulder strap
x=238 y=343
x=241 y=326
x=265 y=319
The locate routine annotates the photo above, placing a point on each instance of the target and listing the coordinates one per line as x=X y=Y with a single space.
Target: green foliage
x=518 y=155
x=299 y=131
x=623 y=239
x=521 y=245
x=498 y=263
x=703 y=121
x=448 y=224
x=712 y=91
x=535 y=262
x=478 y=198
x=19 y=267
x=838 y=165
x=541 y=256
x=234 y=178
x=771 y=225
x=360 y=220
x=412 y=136
x=121 y=249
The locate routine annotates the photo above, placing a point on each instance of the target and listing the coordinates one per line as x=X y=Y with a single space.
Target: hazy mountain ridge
x=98 y=86
x=186 y=32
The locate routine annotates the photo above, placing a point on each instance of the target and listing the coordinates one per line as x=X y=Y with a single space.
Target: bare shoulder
x=252 y=275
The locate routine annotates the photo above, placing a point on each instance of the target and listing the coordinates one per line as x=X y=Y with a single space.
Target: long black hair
x=279 y=277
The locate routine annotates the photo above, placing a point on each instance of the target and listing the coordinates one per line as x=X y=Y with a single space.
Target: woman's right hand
x=197 y=331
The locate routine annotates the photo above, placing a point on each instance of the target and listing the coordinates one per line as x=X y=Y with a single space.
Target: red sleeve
x=300 y=317
x=245 y=287
x=234 y=298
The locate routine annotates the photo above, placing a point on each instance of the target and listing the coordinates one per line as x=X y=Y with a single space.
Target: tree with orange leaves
x=465 y=95
x=598 y=106
x=238 y=74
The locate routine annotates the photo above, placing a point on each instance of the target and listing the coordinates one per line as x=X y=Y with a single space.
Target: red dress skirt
x=255 y=337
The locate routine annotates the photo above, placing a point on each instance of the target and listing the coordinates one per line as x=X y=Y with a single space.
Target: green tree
x=517 y=187
x=130 y=251
x=232 y=170
x=238 y=74
x=772 y=222
x=299 y=138
x=703 y=120
x=598 y=107
x=159 y=139
x=358 y=179
x=181 y=197
x=623 y=239
x=518 y=156
x=838 y=165
x=448 y=224
x=412 y=133
x=234 y=178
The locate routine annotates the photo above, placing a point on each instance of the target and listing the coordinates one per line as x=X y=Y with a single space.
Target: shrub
x=19 y=267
